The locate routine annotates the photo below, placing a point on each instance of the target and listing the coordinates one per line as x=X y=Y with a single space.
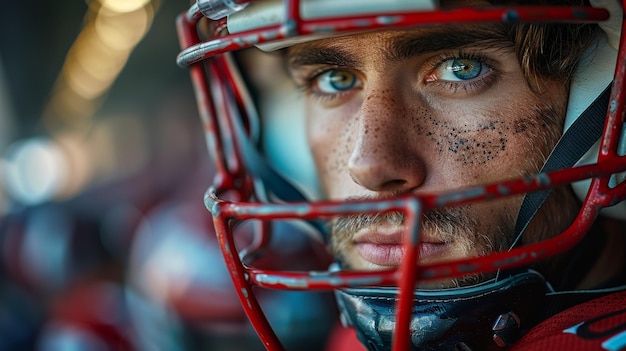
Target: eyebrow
x=408 y=46
x=405 y=46
x=315 y=55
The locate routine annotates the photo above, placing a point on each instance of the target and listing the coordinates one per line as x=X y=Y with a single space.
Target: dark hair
x=548 y=50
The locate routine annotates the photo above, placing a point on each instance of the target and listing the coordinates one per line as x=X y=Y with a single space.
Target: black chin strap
x=574 y=143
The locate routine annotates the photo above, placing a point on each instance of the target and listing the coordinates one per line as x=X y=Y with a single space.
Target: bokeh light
x=34 y=170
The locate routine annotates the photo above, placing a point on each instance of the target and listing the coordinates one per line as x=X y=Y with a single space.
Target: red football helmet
x=253 y=188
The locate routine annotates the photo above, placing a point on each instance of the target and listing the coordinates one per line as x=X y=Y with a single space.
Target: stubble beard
x=450 y=225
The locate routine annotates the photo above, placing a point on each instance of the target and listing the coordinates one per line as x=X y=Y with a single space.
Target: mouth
x=386 y=249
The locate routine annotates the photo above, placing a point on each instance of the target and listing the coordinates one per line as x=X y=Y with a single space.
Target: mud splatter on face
x=477 y=144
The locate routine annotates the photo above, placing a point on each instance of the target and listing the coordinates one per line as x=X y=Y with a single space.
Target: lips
x=381 y=254
x=386 y=249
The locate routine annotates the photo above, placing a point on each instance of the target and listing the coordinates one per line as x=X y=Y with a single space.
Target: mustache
x=447 y=222
x=455 y=225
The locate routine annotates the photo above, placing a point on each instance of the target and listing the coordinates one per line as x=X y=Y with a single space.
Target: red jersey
x=599 y=324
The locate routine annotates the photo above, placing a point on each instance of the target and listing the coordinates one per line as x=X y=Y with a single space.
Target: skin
x=382 y=124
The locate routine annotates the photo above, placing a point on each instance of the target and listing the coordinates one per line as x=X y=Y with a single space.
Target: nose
x=387 y=156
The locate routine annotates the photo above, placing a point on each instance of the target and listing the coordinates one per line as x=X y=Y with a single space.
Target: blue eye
x=460 y=69
x=335 y=81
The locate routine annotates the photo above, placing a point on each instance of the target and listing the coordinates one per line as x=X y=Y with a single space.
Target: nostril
x=355 y=179
x=384 y=174
x=394 y=185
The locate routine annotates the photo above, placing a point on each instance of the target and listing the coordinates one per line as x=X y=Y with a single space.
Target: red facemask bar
x=229 y=120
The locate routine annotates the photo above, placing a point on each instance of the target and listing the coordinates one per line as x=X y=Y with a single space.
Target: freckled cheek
x=331 y=145
x=488 y=156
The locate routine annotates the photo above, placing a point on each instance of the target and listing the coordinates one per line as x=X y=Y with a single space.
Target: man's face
x=423 y=111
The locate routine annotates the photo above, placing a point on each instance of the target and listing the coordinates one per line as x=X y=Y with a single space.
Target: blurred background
x=104 y=240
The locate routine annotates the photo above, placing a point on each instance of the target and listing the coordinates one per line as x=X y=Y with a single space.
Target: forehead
x=397 y=45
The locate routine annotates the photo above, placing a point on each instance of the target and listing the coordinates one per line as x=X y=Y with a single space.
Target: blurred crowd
x=105 y=243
